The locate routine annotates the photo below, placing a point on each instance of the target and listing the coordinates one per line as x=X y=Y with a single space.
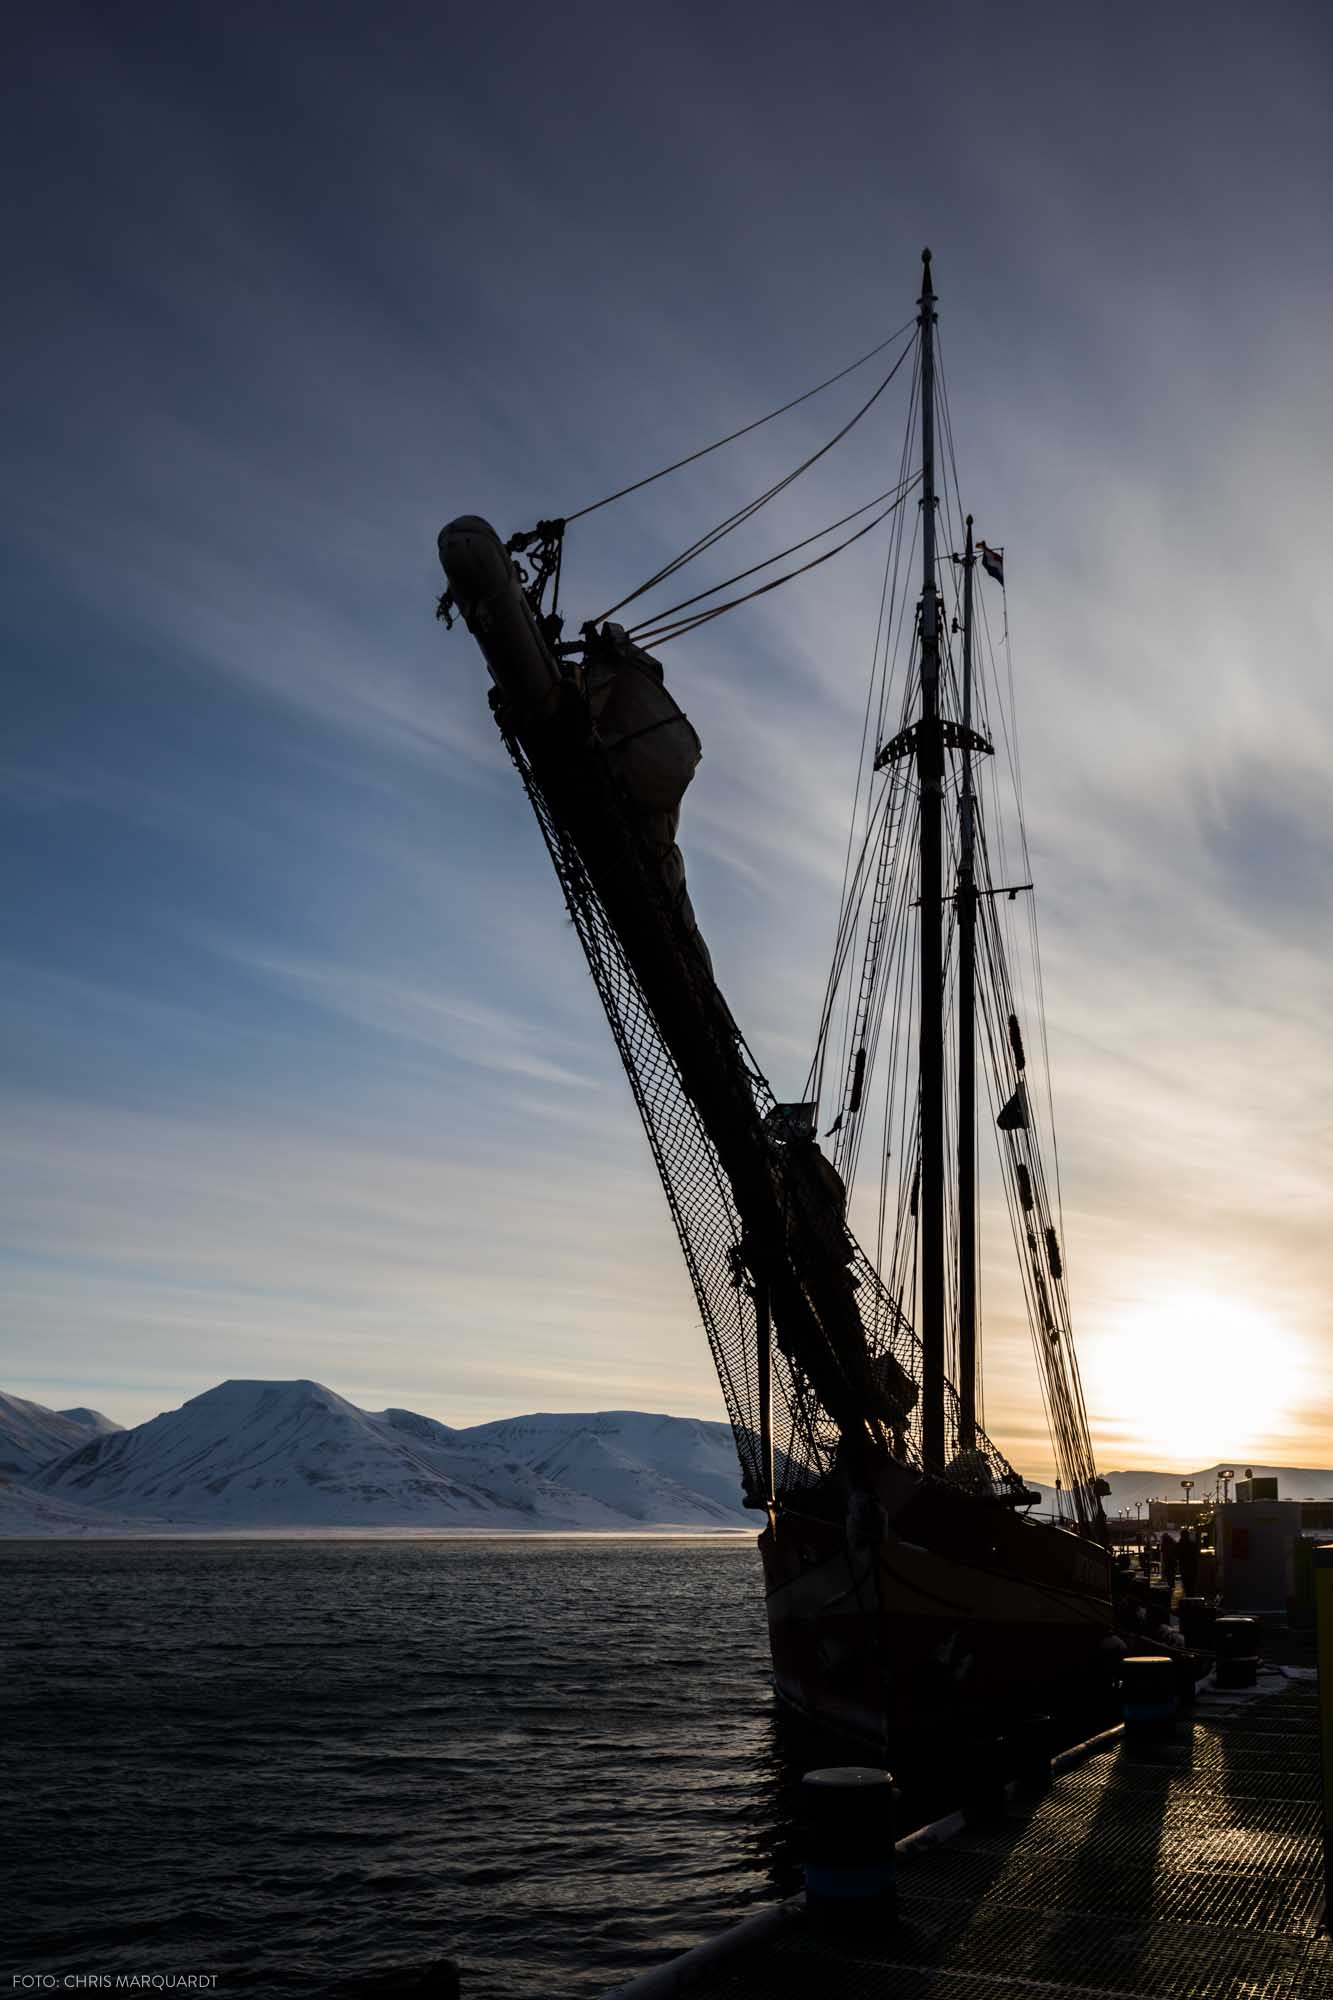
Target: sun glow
x=1190 y=1378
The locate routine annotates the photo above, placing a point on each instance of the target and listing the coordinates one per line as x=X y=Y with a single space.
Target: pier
x=1186 y=1865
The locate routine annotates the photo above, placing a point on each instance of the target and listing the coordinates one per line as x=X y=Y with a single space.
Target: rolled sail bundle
x=485 y=586
x=653 y=749
x=650 y=744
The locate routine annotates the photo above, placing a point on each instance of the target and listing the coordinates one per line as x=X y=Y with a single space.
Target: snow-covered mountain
x=25 y=1512
x=652 y=1468
x=272 y=1456
x=91 y=1420
x=297 y=1455
x=1128 y=1489
x=1294 y=1482
x=32 y=1436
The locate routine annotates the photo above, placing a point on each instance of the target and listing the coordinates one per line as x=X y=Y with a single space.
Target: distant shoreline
x=181 y=1533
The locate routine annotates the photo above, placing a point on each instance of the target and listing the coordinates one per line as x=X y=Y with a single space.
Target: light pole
x=1188 y=1485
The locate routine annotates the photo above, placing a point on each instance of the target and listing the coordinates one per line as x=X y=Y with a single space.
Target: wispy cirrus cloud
x=308 y=1075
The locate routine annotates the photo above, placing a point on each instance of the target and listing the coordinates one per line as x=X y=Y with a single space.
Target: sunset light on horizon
x=1191 y=1377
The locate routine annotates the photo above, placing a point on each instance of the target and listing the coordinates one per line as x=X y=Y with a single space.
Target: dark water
x=297 y=1765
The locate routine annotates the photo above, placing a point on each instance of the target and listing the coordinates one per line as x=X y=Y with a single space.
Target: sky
x=303 y=1073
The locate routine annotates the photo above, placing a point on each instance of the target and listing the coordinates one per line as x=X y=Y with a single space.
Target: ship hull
x=960 y=1610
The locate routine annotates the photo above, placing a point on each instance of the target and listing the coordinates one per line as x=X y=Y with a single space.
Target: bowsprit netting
x=709 y=1225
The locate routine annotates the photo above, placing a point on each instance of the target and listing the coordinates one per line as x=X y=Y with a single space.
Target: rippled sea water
x=304 y=1766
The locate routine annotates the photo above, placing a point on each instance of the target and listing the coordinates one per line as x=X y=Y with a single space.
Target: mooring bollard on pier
x=1323 y=1626
x=1153 y=1904
x=849 y=1819
x=1148 y=1694
x=1237 y=1643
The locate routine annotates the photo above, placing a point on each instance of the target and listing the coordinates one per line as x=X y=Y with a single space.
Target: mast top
x=927 y=289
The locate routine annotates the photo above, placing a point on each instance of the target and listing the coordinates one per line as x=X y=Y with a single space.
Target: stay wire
x=878 y=684
x=863 y=795
x=660 y=635
x=1070 y=1387
x=624 y=491
x=752 y=507
x=660 y=618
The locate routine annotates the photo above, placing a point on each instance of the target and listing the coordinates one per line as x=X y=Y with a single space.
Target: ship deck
x=1187 y=1868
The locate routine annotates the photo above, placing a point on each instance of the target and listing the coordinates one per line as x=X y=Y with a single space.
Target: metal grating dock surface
x=1181 y=1870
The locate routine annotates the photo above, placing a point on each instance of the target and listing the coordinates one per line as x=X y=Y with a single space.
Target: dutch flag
x=992 y=561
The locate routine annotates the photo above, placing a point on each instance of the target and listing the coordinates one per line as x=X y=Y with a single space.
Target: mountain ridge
x=258 y=1456
x=253 y=1454
x=1295 y=1482
x=30 y=1433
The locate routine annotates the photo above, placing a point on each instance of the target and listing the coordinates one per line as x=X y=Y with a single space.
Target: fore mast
x=967 y=1048
x=931 y=743
x=930 y=775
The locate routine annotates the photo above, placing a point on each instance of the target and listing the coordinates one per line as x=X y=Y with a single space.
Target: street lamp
x=1226 y=1479
x=1188 y=1485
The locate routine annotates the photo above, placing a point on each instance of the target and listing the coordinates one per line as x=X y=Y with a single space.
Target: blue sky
x=303 y=1072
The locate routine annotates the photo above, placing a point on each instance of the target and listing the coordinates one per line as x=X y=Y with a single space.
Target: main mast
x=930 y=774
x=967 y=1053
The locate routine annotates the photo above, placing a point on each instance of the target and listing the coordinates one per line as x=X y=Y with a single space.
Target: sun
x=1191 y=1377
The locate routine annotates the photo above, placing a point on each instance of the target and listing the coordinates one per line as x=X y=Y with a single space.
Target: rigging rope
x=752 y=507
x=660 y=635
x=876 y=922
x=864 y=766
x=661 y=617
x=624 y=491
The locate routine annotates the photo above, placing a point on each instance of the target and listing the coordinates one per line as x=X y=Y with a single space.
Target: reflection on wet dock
x=1180 y=1867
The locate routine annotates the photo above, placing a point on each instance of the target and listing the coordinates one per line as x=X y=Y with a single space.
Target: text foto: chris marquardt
x=113 y=1982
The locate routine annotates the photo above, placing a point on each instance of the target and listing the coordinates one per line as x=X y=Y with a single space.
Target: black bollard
x=849 y=1834
x=1031 y=1747
x=1148 y=1694
x=1237 y=1642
